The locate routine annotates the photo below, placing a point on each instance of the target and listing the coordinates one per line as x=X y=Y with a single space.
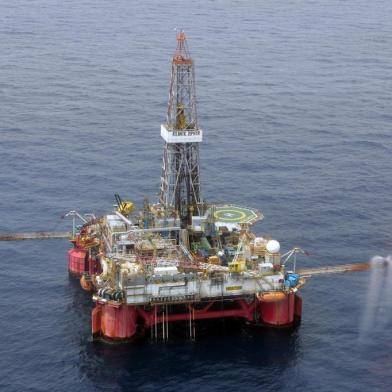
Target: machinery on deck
x=181 y=259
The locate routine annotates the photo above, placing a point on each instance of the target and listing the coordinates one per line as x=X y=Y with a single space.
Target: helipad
x=233 y=214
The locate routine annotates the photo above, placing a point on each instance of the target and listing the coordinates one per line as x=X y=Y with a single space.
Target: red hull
x=121 y=322
x=116 y=323
x=278 y=313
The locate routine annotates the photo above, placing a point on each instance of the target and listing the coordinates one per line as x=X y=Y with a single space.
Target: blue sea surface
x=295 y=100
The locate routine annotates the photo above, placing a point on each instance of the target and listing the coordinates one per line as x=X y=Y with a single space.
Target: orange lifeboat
x=273 y=296
x=86 y=283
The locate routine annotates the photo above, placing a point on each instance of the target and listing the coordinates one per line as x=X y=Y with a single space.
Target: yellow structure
x=181 y=120
x=125 y=208
x=238 y=265
x=214 y=260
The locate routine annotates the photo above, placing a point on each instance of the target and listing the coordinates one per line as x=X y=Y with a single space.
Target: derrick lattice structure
x=180 y=181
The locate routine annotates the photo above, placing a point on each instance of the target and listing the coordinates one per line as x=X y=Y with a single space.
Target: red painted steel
x=278 y=313
x=96 y=320
x=117 y=323
x=120 y=322
x=243 y=310
x=76 y=260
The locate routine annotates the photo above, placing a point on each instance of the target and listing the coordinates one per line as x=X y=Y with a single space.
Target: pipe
x=336 y=269
x=122 y=217
x=38 y=235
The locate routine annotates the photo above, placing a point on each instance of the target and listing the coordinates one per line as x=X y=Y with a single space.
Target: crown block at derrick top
x=181 y=135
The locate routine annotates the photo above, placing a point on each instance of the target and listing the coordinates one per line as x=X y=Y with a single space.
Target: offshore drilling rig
x=181 y=259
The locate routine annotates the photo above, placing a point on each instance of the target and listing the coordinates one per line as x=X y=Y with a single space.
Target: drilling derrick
x=180 y=182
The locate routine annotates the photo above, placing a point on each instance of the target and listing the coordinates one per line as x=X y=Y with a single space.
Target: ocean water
x=294 y=98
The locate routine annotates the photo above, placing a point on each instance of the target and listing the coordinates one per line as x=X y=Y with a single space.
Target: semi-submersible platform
x=181 y=259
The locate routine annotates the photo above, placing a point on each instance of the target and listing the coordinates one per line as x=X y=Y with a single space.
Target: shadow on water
x=226 y=349
x=81 y=299
x=77 y=317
